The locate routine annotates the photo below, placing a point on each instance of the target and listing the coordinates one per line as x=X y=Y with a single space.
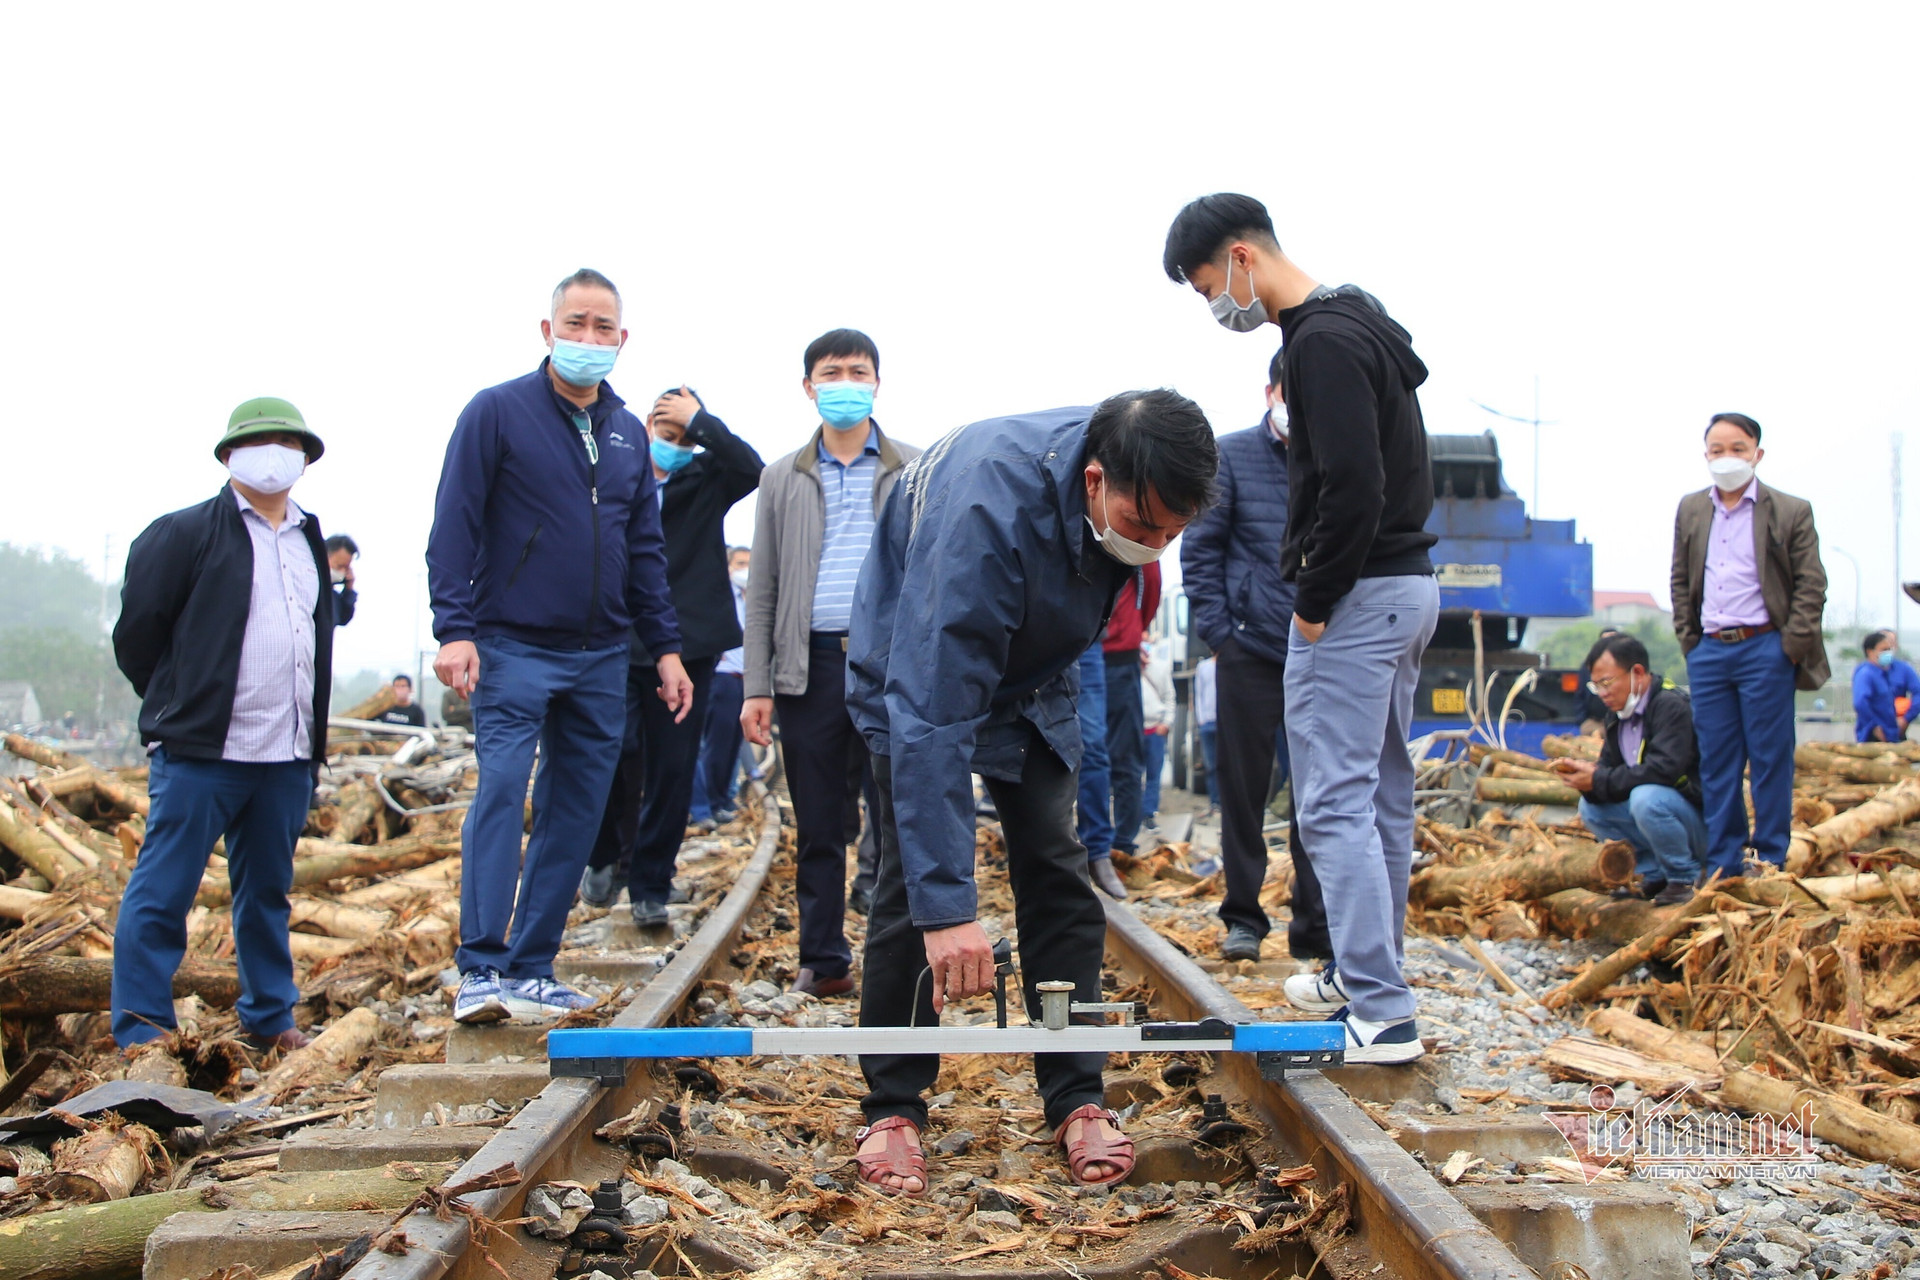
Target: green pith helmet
x=264 y=416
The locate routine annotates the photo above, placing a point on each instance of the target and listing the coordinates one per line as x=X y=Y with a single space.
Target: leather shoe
x=859 y=901
x=1673 y=894
x=649 y=915
x=1241 y=943
x=1107 y=879
x=1647 y=889
x=286 y=1042
x=821 y=988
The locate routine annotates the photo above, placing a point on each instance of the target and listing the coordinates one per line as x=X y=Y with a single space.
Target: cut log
x=1811 y=758
x=318 y=861
x=333 y=1054
x=117 y=794
x=1522 y=773
x=359 y=802
x=16 y=903
x=41 y=986
x=40 y=753
x=380 y=701
x=104 y=1163
x=1584 y=1058
x=1571 y=746
x=1574 y=864
x=1691 y=1049
x=1890 y=808
x=1582 y=913
x=337 y=920
x=108 y=1241
x=1873 y=750
x=1851 y=887
x=1858 y=1129
x=24 y=838
x=1610 y=968
x=438 y=880
x=1515 y=791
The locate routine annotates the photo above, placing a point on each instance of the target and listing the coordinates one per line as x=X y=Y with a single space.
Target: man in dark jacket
x=1365 y=599
x=342 y=551
x=994 y=566
x=1645 y=789
x=226 y=633
x=1243 y=608
x=702 y=469
x=545 y=553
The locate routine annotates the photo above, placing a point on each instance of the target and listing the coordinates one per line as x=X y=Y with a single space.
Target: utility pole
x=1536 y=422
x=1898 y=592
x=1842 y=551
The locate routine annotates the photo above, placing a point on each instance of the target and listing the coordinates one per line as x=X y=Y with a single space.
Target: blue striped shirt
x=849 y=530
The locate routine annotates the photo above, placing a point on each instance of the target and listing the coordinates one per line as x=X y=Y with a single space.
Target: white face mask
x=739 y=577
x=267 y=468
x=339 y=576
x=1277 y=421
x=1730 y=473
x=1123 y=549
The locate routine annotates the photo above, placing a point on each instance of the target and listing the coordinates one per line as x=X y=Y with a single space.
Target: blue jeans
x=1156 y=749
x=1349 y=700
x=1208 y=735
x=260 y=809
x=1743 y=716
x=714 y=780
x=1094 y=825
x=1668 y=835
x=573 y=702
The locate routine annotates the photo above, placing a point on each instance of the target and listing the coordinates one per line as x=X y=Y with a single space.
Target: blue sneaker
x=543 y=998
x=480 y=998
x=1385 y=1043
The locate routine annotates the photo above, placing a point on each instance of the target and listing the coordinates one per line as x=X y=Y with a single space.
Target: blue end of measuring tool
x=1280 y=1037
x=650 y=1042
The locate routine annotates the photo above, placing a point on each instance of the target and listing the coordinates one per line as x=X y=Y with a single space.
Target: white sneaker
x=1317 y=992
x=1381 y=1043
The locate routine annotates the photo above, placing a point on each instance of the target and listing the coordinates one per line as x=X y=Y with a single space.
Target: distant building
x=1627 y=608
x=18 y=706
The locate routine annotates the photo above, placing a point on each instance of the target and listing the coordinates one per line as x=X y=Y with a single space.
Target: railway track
x=1387 y=1215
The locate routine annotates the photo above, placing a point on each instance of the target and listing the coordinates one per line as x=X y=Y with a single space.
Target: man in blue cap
x=226 y=633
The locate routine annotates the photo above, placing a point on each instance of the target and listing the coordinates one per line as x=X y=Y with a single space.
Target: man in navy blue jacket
x=546 y=549
x=1243 y=608
x=994 y=566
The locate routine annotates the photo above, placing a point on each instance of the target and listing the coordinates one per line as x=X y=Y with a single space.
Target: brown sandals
x=899 y=1159
x=1093 y=1147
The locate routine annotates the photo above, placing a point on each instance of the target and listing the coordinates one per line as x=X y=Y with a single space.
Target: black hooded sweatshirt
x=1357 y=457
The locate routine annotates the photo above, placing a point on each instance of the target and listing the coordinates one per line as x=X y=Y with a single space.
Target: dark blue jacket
x=1230 y=557
x=981 y=590
x=1874 y=689
x=531 y=541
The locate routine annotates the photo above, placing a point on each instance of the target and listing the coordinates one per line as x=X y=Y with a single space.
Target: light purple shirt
x=1731 y=595
x=1633 y=727
x=273 y=699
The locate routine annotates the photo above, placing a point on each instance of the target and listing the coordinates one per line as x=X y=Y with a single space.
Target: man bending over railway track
x=995 y=564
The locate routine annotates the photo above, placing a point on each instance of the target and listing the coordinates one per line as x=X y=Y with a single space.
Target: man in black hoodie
x=1365 y=598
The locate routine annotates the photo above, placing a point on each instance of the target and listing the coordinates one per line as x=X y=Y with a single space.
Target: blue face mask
x=1884 y=657
x=582 y=364
x=670 y=457
x=844 y=405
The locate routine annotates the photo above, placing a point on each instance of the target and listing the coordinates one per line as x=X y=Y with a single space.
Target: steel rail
x=1403 y=1219
x=558 y=1125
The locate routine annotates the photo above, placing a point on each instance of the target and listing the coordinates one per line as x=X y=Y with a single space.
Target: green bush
x=1568 y=646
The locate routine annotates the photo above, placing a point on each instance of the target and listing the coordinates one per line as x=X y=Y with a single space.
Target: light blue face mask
x=1884 y=657
x=844 y=405
x=582 y=364
x=670 y=457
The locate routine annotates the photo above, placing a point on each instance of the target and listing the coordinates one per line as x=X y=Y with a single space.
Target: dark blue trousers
x=1126 y=746
x=719 y=747
x=260 y=809
x=1743 y=716
x=572 y=702
x=1094 y=823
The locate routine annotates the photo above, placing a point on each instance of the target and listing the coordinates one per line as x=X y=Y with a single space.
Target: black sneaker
x=649 y=915
x=597 y=888
x=859 y=901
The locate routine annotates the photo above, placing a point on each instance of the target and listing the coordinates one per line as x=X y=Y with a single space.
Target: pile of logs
x=375 y=916
x=1796 y=986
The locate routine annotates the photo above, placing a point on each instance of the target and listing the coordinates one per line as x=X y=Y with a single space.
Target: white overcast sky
x=1661 y=210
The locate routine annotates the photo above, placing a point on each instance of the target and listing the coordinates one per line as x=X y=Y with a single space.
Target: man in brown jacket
x=1748 y=594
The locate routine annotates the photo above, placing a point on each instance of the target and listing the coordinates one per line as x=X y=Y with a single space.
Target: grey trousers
x=1349 y=709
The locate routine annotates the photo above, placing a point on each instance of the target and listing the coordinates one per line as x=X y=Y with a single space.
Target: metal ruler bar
x=740 y=1042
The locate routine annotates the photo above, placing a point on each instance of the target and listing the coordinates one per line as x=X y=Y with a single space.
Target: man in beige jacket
x=811 y=531
x=1748 y=594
